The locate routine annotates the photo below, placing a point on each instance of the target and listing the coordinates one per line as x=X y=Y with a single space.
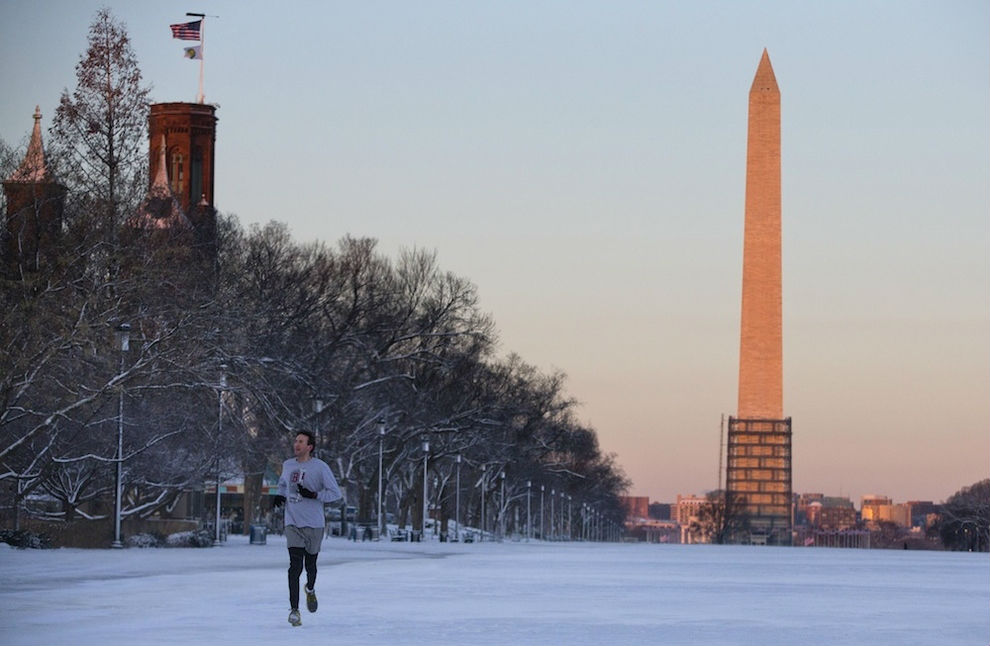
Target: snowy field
x=496 y=593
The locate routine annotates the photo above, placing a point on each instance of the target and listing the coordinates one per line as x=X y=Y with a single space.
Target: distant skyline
x=583 y=164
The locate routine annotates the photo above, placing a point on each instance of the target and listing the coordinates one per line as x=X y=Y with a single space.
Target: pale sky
x=583 y=163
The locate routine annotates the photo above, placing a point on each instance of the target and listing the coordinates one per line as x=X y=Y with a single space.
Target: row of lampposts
x=591 y=523
x=591 y=519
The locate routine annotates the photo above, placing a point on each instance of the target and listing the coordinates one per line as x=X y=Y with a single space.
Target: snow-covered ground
x=496 y=593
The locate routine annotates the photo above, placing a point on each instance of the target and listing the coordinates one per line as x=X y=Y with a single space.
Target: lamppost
x=542 y=534
x=381 y=451
x=570 y=527
x=124 y=336
x=484 y=472
x=439 y=494
x=457 y=499
x=501 y=505
x=223 y=384
x=553 y=528
x=426 y=455
x=529 y=526
x=584 y=521
x=317 y=408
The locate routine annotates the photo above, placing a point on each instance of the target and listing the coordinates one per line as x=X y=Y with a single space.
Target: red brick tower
x=758 y=469
x=189 y=132
x=35 y=203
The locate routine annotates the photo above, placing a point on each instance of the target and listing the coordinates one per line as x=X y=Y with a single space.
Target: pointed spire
x=160 y=209
x=764 y=81
x=33 y=168
x=160 y=180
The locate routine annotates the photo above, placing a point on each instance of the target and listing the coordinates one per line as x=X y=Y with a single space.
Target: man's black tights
x=298 y=556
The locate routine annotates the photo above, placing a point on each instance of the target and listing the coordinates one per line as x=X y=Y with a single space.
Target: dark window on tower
x=178 y=172
x=196 y=178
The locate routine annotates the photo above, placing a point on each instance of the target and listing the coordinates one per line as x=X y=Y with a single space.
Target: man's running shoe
x=311 y=603
x=294 y=618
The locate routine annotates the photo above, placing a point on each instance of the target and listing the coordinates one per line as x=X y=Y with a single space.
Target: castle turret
x=35 y=204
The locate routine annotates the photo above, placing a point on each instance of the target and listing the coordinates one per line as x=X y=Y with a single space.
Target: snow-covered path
x=497 y=593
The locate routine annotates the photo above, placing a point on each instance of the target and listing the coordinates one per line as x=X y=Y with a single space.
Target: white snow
x=496 y=593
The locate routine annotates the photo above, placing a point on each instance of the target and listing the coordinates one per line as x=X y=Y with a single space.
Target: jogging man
x=305 y=485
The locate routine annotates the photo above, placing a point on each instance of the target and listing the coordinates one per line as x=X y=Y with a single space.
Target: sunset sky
x=583 y=163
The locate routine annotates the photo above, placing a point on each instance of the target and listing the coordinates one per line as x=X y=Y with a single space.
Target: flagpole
x=202 y=57
x=201 y=98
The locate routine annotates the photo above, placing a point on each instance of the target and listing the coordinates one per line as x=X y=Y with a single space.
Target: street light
x=124 y=337
x=502 y=507
x=542 y=534
x=529 y=526
x=381 y=451
x=484 y=471
x=317 y=408
x=553 y=529
x=223 y=384
x=426 y=455
x=457 y=499
x=570 y=527
x=584 y=521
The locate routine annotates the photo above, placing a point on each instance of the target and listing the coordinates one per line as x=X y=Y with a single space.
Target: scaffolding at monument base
x=758 y=474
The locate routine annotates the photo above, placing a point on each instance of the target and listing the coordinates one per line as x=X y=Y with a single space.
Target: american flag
x=186 y=30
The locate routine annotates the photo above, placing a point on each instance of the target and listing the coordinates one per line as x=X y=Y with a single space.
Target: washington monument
x=758 y=470
x=761 y=362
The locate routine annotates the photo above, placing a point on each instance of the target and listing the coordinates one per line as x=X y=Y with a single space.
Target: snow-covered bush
x=145 y=540
x=198 y=538
x=24 y=539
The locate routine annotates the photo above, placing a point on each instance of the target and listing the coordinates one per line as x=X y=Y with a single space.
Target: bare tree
x=99 y=131
x=964 y=519
x=723 y=517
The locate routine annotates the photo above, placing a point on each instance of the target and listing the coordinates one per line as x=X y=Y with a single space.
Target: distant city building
x=660 y=510
x=688 y=517
x=876 y=509
x=635 y=506
x=829 y=517
x=818 y=511
x=801 y=503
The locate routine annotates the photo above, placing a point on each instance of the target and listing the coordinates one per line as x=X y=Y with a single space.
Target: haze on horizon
x=584 y=165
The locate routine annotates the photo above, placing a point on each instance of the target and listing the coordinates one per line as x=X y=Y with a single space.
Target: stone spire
x=761 y=338
x=33 y=168
x=35 y=203
x=160 y=209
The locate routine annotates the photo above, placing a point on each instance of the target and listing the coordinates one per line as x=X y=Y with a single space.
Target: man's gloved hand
x=279 y=501
x=306 y=493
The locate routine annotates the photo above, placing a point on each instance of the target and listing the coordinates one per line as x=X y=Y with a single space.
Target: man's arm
x=330 y=491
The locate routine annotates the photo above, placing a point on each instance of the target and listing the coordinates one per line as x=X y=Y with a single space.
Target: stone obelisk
x=761 y=343
x=758 y=468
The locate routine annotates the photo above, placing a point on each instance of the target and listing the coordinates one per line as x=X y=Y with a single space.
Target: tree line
x=229 y=354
